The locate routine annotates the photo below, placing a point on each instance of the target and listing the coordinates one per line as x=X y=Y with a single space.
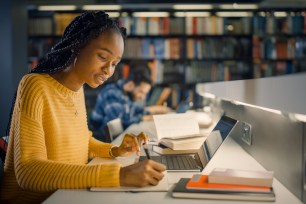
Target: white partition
x=285 y=93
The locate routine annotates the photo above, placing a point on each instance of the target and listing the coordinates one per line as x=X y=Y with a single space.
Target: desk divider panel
x=278 y=143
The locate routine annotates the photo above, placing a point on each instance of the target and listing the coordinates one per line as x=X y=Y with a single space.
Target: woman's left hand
x=132 y=143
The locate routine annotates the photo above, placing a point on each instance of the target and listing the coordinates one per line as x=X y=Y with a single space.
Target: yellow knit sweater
x=50 y=144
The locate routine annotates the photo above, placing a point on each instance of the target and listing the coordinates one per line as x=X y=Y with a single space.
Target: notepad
x=162 y=186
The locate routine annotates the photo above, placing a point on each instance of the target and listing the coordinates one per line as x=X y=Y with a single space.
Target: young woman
x=49 y=143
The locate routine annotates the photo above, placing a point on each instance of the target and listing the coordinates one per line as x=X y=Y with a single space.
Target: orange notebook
x=200 y=182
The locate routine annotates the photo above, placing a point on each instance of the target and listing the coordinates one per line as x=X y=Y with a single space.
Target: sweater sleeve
x=35 y=172
x=98 y=148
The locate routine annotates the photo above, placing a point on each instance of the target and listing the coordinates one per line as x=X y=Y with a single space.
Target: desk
x=229 y=155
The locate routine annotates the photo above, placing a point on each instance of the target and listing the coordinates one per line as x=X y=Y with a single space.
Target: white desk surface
x=229 y=155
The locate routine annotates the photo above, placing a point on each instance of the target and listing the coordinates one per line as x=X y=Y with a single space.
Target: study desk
x=229 y=155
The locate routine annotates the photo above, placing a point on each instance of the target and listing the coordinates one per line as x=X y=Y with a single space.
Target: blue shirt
x=112 y=102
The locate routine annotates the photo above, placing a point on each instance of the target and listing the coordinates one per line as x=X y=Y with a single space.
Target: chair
x=3 y=149
x=1 y=170
x=112 y=129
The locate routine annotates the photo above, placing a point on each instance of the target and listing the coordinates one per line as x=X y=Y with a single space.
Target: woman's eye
x=102 y=58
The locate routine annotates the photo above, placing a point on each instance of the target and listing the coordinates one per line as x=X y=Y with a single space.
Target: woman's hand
x=147 y=172
x=130 y=143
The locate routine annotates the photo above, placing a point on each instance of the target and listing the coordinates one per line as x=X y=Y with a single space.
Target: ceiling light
x=192 y=7
x=280 y=14
x=238 y=6
x=191 y=14
x=150 y=14
x=233 y=14
x=57 y=8
x=101 y=7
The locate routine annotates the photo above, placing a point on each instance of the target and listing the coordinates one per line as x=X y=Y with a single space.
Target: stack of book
x=227 y=184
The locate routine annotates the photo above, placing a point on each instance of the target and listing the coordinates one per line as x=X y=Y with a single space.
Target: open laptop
x=197 y=161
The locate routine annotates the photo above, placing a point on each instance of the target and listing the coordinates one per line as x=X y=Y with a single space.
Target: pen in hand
x=146 y=149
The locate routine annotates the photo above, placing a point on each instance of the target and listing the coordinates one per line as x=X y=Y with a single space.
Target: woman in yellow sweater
x=49 y=143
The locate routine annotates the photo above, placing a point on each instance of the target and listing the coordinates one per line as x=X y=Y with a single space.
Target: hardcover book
x=163 y=150
x=241 y=177
x=180 y=191
x=200 y=182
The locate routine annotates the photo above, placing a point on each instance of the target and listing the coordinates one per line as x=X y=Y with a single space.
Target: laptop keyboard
x=179 y=162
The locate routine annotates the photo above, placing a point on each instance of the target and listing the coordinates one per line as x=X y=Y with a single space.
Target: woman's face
x=96 y=62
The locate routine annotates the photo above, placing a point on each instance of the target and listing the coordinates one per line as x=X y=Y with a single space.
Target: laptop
x=197 y=161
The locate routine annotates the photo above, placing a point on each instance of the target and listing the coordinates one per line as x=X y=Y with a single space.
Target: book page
x=125 y=161
x=176 y=125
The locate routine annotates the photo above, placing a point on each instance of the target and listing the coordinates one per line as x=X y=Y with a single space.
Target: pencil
x=145 y=148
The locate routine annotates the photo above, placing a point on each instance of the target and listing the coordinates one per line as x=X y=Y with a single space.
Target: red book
x=194 y=26
x=200 y=182
x=166 y=25
x=125 y=71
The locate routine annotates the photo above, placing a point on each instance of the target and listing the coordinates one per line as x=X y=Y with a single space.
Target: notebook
x=197 y=161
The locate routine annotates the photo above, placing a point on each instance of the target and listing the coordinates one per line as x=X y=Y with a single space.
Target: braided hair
x=78 y=33
x=84 y=28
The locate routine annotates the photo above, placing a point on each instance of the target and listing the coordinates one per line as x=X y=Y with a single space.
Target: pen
x=145 y=148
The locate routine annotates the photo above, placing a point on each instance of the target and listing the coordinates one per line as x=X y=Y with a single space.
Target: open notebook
x=125 y=161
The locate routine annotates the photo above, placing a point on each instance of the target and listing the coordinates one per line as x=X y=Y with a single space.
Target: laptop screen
x=220 y=132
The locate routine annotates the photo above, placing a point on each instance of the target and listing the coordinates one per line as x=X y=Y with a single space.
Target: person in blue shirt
x=124 y=99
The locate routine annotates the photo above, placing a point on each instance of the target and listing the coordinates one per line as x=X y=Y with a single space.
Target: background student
x=49 y=141
x=125 y=99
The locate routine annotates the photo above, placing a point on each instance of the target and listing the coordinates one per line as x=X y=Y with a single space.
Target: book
x=176 y=126
x=180 y=191
x=241 y=177
x=164 y=150
x=200 y=182
x=188 y=143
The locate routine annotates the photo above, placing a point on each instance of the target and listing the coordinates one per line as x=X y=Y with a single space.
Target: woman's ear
x=129 y=86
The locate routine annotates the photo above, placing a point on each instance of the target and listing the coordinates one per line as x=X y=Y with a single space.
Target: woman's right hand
x=147 y=172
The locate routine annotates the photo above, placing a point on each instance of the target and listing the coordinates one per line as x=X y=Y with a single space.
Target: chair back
x=112 y=129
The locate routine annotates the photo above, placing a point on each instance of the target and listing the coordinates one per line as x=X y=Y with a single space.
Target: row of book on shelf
x=207 y=48
x=194 y=71
x=288 y=24
x=211 y=25
x=267 y=69
x=159 y=48
x=214 y=48
x=204 y=71
x=279 y=48
x=173 y=48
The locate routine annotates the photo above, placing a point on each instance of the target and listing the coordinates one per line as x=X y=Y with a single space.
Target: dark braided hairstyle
x=77 y=34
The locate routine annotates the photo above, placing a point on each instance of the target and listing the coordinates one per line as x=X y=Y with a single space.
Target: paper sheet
x=125 y=161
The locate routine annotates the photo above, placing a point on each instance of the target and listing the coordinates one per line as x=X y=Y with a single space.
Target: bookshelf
x=279 y=43
x=190 y=50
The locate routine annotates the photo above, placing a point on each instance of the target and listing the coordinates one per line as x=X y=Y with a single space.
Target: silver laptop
x=197 y=161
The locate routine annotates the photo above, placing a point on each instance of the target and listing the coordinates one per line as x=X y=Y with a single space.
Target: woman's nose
x=107 y=69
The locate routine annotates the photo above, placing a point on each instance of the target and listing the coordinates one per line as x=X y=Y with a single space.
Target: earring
x=75 y=60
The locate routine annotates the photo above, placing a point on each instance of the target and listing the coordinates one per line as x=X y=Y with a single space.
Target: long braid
x=77 y=34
